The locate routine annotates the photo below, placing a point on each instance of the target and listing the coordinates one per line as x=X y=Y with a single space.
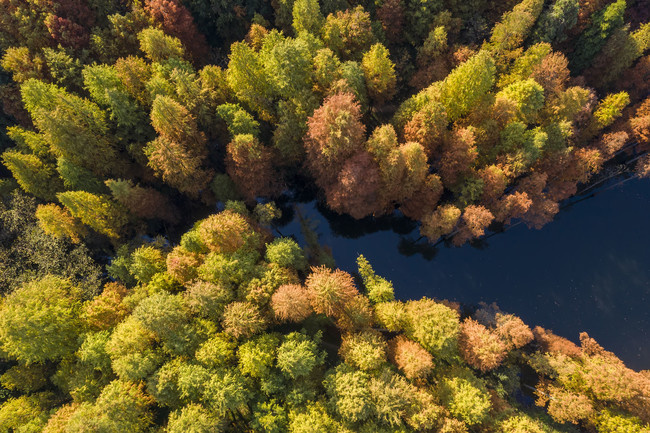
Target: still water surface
x=588 y=270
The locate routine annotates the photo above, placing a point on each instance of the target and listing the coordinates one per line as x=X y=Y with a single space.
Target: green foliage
x=307 y=17
x=592 y=40
x=554 y=21
x=434 y=326
x=378 y=288
x=96 y=211
x=40 y=320
x=379 y=73
x=299 y=355
x=159 y=47
x=238 y=120
x=287 y=253
x=466 y=398
x=33 y=175
x=466 y=84
x=528 y=98
x=257 y=356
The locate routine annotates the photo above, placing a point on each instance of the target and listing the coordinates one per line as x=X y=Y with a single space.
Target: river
x=588 y=270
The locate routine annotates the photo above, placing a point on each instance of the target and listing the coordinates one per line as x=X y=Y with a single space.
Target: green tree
x=554 y=21
x=307 y=17
x=257 y=356
x=379 y=72
x=515 y=26
x=96 y=211
x=592 y=40
x=378 y=288
x=74 y=127
x=194 y=418
x=76 y=178
x=466 y=84
x=40 y=320
x=466 y=398
x=287 y=253
x=299 y=355
x=247 y=79
x=433 y=325
x=32 y=174
x=158 y=46
x=349 y=393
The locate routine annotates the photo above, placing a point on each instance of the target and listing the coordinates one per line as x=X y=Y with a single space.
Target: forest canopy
x=149 y=147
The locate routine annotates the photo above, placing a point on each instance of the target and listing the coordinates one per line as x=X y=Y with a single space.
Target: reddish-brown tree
x=391 y=15
x=474 y=222
x=410 y=357
x=250 y=165
x=550 y=342
x=552 y=74
x=513 y=331
x=640 y=123
x=290 y=303
x=480 y=348
x=177 y=21
x=494 y=183
x=511 y=206
x=356 y=191
x=459 y=153
x=143 y=202
x=440 y=222
x=425 y=199
x=335 y=133
x=106 y=310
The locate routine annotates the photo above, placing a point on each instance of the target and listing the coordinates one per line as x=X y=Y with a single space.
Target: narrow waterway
x=588 y=270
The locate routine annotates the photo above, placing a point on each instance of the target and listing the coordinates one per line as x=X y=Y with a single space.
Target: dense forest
x=149 y=149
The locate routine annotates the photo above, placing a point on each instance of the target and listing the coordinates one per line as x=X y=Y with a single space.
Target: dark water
x=588 y=270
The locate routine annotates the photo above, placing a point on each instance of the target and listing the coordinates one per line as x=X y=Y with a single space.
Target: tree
x=57 y=221
x=466 y=398
x=122 y=406
x=250 y=166
x=290 y=302
x=22 y=64
x=427 y=127
x=247 y=78
x=528 y=99
x=592 y=40
x=242 y=319
x=107 y=309
x=177 y=21
x=228 y=232
x=379 y=72
x=512 y=31
x=40 y=320
x=307 y=17
x=357 y=188
x=349 y=393
x=555 y=21
x=257 y=355
x=299 y=355
x=142 y=202
x=75 y=128
x=474 y=222
x=179 y=151
x=378 y=288
x=411 y=358
x=288 y=64
x=32 y=174
x=433 y=325
x=287 y=253
x=76 y=178
x=96 y=211
x=349 y=33
x=439 y=223
x=335 y=133
x=365 y=350
x=466 y=84
x=459 y=154
x=391 y=16
x=228 y=391
x=158 y=46
x=194 y=418
x=513 y=331
x=329 y=291
x=480 y=348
